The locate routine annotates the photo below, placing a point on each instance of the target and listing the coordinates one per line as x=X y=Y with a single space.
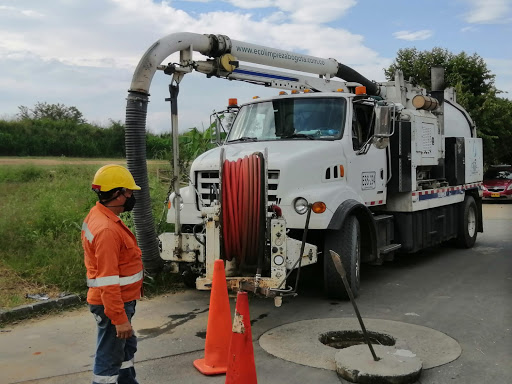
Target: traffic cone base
x=218 y=332
x=201 y=366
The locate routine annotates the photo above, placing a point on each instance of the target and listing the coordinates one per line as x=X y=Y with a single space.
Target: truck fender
x=367 y=224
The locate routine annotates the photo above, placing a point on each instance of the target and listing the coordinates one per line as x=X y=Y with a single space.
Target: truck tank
x=457 y=122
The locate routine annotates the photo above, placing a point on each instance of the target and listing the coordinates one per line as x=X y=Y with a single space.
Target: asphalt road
x=465 y=294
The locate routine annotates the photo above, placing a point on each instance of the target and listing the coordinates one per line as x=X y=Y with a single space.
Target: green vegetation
x=43 y=206
x=45 y=137
x=42 y=211
x=476 y=92
x=57 y=130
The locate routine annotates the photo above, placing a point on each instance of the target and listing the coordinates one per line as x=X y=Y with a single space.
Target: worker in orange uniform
x=114 y=274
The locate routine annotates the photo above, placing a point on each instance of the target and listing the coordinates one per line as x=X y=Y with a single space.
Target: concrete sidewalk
x=171 y=331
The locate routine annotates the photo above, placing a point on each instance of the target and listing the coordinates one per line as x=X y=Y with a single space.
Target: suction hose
x=135 y=135
x=349 y=74
x=135 y=141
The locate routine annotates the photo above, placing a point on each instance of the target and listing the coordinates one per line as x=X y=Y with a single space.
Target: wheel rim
x=471 y=221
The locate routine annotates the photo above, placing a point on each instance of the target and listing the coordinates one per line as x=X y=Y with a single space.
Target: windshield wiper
x=244 y=138
x=298 y=135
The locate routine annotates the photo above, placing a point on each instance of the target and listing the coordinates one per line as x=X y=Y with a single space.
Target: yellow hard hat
x=113 y=176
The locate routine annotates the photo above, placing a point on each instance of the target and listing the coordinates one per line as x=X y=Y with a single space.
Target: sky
x=83 y=53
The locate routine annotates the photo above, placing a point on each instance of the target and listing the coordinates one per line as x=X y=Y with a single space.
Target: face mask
x=129 y=203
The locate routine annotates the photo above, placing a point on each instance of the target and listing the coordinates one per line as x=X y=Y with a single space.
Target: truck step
x=382 y=217
x=389 y=248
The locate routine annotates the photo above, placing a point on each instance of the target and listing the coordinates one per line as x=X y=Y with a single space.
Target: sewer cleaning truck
x=333 y=161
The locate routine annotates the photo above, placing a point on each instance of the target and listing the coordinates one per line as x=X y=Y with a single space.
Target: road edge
x=31 y=310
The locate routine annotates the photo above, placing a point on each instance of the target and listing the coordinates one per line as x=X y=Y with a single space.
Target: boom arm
x=283 y=80
x=217 y=46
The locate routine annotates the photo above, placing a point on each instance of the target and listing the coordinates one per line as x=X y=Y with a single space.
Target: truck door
x=367 y=165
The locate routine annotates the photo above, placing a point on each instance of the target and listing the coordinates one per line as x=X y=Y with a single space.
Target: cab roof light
x=307 y=90
x=339 y=90
x=255 y=97
x=294 y=91
x=232 y=103
x=361 y=90
x=282 y=93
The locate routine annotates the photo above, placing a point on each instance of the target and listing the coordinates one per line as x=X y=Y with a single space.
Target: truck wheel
x=468 y=223
x=347 y=243
x=189 y=278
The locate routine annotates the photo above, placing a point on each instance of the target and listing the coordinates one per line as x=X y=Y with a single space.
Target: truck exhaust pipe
x=437 y=91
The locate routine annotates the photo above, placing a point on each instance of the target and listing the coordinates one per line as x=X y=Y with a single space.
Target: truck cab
x=316 y=152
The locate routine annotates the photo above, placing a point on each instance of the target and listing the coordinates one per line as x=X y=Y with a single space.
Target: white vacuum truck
x=363 y=168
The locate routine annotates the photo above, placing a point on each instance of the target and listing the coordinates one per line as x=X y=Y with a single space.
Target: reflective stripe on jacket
x=113 y=261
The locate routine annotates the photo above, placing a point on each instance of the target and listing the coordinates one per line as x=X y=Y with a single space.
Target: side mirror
x=218 y=129
x=383 y=123
x=220 y=125
x=384 y=120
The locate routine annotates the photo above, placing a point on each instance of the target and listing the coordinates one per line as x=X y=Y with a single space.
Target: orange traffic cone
x=218 y=331
x=241 y=367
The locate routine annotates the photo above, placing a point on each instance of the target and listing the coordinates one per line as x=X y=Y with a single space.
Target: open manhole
x=345 y=339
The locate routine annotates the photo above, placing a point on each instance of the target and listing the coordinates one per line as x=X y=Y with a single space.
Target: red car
x=498 y=183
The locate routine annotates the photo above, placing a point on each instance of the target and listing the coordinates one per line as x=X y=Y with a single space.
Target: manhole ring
x=349 y=338
x=299 y=342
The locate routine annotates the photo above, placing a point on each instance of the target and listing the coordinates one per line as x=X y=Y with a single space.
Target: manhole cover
x=345 y=339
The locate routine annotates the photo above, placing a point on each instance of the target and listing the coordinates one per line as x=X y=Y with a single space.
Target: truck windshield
x=315 y=118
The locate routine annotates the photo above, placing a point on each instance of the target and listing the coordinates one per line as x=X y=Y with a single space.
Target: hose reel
x=243 y=210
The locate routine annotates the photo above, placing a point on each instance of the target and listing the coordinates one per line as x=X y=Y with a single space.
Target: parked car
x=498 y=183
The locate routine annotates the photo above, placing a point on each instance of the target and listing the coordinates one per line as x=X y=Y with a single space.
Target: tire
x=468 y=219
x=189 y=278
x=347 y=243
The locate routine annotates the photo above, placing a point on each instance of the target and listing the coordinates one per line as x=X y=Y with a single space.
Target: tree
x=470 y=72
x=51 y=112
x=476 y=92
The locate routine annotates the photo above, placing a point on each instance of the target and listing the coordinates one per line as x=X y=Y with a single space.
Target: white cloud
x=489 y=11
x=468 y=29
x=305 y=11
x=249 y=4
x=413 y=36
x=14 y=11
x=116 y=33
x=315 y=12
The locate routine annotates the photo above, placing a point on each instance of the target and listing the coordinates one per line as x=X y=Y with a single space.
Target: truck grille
x=207 y=183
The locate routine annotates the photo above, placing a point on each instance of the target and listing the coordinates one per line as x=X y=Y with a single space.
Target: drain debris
x=345 y=339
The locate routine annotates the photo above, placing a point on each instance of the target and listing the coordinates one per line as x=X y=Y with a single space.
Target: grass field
x=43 y=202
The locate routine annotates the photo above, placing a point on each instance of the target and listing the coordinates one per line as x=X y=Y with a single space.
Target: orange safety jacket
x=113 y=261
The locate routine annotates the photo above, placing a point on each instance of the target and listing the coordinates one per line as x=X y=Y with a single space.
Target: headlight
x=509 y=187
x=484 y=188
x=301 y=205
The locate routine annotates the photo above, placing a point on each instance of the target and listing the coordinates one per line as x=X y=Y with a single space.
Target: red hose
x=241 y=199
